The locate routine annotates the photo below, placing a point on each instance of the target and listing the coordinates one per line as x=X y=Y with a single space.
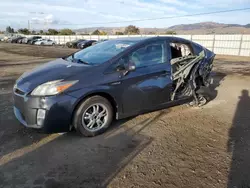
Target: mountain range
x=196 y=28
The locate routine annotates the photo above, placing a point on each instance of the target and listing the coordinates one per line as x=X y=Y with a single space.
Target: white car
x=46 y=42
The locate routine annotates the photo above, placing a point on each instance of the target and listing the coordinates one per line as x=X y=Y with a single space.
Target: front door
x=150 y=84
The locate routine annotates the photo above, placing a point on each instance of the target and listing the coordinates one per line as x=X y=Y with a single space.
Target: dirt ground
x=176 y=147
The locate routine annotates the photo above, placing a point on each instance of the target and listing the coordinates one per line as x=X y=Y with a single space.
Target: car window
x=149 y=54
x=101 y=52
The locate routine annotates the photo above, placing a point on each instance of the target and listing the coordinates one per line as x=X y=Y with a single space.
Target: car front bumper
x=57 y=110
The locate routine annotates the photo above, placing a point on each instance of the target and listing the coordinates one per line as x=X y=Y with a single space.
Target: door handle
x=115 y=83
x=164 y=72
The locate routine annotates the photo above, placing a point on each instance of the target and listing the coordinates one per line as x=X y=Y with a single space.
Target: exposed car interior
x=183 y=70
x=180 y=50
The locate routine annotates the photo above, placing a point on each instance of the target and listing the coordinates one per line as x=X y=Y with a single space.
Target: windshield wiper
x=81 y=61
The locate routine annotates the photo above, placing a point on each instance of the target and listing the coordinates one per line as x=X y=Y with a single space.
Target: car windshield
x=100 y=52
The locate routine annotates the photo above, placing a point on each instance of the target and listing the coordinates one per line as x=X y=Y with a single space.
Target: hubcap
x=95 y=117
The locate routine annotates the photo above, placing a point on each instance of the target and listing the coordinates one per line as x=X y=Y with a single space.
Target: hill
x=196 y=28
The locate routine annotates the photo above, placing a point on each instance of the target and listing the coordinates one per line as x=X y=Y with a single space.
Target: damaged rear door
x=183 y=74
x=190 y=72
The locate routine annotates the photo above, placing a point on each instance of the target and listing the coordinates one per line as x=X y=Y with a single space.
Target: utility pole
x=28 y=25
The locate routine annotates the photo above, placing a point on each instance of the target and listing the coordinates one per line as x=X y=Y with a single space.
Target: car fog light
x=40 y=116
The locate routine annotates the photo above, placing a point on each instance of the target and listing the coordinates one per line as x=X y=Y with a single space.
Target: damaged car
x=115 y=79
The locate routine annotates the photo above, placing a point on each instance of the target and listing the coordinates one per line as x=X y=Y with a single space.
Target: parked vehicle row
x=38 y=40
x=82 y=43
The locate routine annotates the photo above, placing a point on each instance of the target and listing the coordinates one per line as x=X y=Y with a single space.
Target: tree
x=119 y=33
x=9 y=30
x=52 y=32
x=24 y=31
x=66 y=32
x=41 y=32
x=33 y=32
x=132 y=30
x=103 y=33
x=151 y=33
x=96 y=32
x=171 y=33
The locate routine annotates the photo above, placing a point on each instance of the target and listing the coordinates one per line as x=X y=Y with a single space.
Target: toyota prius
x=115 y=79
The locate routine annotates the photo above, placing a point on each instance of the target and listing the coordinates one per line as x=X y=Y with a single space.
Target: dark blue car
x=85 y=44
x=111 y=80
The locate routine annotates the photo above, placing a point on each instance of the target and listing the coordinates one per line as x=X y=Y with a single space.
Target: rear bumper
x=58 y=111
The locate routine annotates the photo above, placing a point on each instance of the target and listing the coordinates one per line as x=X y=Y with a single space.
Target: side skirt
x=156 y=108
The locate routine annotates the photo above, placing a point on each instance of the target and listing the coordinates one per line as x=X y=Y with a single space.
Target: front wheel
x=93 y=116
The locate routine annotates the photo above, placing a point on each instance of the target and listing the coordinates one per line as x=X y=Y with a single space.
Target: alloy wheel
x=95 y=117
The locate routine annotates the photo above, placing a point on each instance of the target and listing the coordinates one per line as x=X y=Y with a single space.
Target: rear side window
x=148 y=55
x=180 y=50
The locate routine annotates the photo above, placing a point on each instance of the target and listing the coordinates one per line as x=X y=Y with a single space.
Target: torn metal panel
x=184 y=68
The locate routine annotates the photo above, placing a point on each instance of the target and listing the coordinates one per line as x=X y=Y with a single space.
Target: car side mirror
x=129 y=67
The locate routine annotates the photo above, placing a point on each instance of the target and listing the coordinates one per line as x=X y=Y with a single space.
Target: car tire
x=87 y=118
x=53 y=44
x=42 y=44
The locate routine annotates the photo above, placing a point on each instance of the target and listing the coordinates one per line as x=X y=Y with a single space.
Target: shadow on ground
x=72 y=161
x=239 y=144
x=218 y=77
x=12 y=135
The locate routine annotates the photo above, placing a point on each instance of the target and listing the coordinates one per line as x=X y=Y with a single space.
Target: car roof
x=141 y=39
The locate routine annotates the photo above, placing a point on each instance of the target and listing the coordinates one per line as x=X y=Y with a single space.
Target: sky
x=75 y=14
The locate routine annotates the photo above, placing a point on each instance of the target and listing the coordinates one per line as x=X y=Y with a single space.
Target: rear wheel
x=93 y=116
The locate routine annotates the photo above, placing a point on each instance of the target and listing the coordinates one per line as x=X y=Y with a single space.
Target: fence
x=219 y=44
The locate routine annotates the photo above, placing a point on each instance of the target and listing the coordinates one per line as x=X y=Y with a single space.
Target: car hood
x=54 y=70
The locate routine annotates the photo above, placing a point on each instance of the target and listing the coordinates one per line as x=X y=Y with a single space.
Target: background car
x=6 y=38
x=102 y=40
x=16 y=39
x=9 y=39
x=24 y=40
x=31 y=40
x=73 y=44
x=85 y=44
x=45 y=42
x=19 y=41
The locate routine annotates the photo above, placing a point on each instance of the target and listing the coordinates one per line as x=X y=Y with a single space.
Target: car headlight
x=52 y=87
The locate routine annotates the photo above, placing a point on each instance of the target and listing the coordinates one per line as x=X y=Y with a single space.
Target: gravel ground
x=175 y=147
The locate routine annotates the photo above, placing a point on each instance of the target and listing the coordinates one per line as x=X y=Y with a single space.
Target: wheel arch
x=102 y=94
